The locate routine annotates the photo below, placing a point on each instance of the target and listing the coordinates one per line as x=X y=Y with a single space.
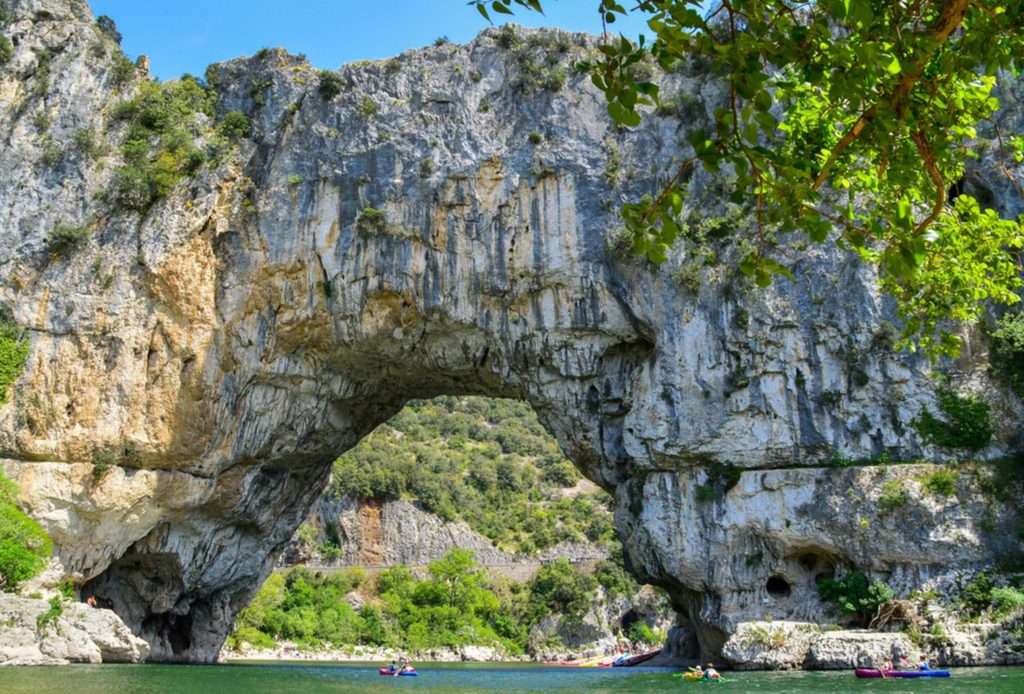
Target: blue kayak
x=402 y=673
x=864 y=672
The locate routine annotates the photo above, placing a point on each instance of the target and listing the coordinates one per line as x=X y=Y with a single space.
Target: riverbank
x=288 y=652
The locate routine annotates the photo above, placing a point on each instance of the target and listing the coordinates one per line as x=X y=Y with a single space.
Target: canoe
x=590 y=662
x=636 y=659
x=389 y=673
x=694 y=677
x=864 y=672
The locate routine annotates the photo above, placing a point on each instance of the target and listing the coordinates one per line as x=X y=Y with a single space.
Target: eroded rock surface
x=226 y=345
x=389 y=532
x=79 y=634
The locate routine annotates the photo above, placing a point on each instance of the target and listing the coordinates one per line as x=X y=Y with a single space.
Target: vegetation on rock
x=13 y=351
x=1006 y=358
x=24 y=547
x=484 y=461
x=854 y=596
x=171 y=135
x=967 y=423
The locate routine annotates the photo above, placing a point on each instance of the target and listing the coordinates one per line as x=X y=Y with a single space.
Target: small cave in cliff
x=778 y=587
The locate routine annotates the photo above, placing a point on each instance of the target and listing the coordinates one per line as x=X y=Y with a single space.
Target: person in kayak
x=887 y=665
x=924 y=665
x=406 y=667
x=698 y=672
x=392 y=666
x=710 y=673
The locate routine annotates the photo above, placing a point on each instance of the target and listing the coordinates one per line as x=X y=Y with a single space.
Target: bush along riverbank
x=454 y=611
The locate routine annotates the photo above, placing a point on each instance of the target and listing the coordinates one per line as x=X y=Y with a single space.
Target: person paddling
x=923 y=664
x=710 y=673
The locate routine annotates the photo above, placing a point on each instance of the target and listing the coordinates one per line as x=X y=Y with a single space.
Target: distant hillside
x=484 y=461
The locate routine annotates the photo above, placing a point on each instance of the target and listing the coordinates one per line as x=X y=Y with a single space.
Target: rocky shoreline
x=34 y=631
x=805 y=646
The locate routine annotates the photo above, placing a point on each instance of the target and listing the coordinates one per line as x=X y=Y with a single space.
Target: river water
x=439 y=677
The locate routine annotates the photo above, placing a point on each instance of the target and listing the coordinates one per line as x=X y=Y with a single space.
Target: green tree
x=560 y=588
x=24 y=546
x=843 y=121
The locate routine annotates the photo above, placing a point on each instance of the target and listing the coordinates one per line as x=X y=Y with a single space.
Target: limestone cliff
x=407 y=237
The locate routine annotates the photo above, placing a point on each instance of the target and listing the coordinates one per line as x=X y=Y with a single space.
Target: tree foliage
x=843 y=120
x=854 y=596
x=456 y=604
x=487 y=462
x=24 y=547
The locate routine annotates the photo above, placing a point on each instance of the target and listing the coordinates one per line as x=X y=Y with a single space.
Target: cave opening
x=778 y=587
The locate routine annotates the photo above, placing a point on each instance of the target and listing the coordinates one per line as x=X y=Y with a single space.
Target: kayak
x=864 y=672
x=636 y=659
x=694 y=677
x=600 y=661
x=401 y=673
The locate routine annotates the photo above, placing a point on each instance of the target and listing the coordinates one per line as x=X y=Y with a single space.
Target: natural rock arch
x=265 y=316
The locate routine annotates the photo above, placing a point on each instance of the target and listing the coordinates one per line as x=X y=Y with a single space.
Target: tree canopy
x=844 y=120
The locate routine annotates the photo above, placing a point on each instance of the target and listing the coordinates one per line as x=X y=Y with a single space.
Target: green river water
x=439 y=677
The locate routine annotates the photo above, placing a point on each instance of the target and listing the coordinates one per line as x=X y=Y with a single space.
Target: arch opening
x=457 y=473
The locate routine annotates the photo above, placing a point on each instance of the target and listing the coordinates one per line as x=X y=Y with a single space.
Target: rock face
x=80 y=634
x=792 y=645
x=388 y=532
x=226 y=345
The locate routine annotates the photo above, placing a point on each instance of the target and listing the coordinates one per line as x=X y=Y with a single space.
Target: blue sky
x=187 y=35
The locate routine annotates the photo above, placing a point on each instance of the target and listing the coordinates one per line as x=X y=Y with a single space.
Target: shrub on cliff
x=330 y=85
x=854 y=596
x=13 y=351
x=967 y=422
x=162 y=146
x=24 y=547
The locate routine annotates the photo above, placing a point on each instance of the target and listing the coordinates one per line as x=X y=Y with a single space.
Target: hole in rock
x=808 y=560
x=778 y=587
x=385 y=548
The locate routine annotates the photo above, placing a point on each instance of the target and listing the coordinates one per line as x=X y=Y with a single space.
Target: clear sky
x=182 y=36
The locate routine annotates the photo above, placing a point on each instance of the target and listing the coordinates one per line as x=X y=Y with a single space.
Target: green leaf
x=894 y=66
x=623 y=116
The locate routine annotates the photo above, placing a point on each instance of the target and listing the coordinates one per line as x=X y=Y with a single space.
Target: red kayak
x=636 y=659
x=400 y=673
x=864 y=672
